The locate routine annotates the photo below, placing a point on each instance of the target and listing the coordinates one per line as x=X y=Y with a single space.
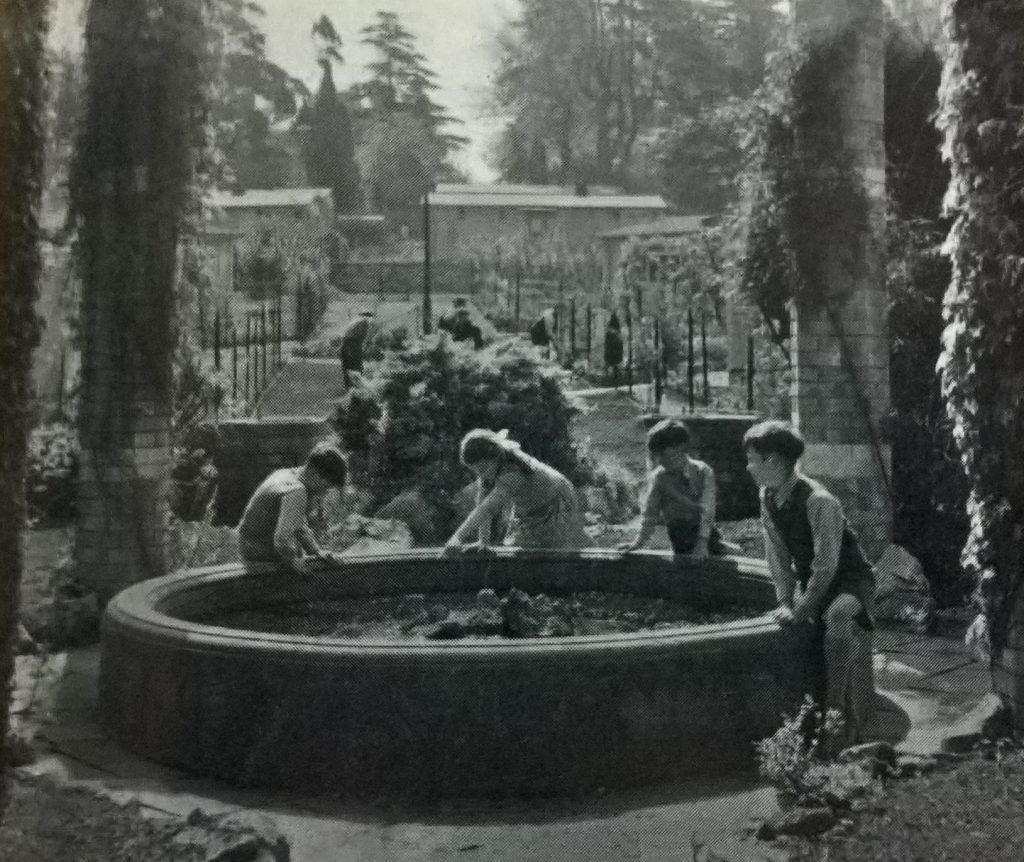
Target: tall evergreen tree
x=249 y=94
x=401 y=82
x=514 y=162
x=22 y=71
x=538 y=162
x=329 y=149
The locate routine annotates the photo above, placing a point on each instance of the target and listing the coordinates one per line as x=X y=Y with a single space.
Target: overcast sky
x=457 y=37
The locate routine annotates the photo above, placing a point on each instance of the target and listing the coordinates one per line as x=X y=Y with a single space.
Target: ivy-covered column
x=131 y=181
x=982 y=361
x=840 y=339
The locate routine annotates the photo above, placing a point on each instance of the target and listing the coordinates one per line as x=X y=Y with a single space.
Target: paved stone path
x=929 y=688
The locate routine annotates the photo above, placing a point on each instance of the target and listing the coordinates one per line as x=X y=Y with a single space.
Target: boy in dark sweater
x=809 y=544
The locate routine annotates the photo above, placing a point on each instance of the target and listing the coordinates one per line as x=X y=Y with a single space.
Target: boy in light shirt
x=682 y=494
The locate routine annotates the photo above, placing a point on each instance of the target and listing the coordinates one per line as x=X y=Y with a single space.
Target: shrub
x=432 y=394
x=789 y=759
x=51 y=474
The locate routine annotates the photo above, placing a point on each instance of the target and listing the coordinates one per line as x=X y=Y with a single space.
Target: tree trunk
x=22 y=71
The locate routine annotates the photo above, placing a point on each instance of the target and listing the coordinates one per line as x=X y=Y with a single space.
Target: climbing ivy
x=22 y=74
x=798 y=177
x=982 y=361
x=132 y=184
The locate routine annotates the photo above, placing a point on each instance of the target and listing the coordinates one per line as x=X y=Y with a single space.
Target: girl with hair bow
x=546 y=510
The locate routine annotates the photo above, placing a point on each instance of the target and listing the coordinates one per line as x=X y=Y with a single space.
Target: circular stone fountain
x=471 y=717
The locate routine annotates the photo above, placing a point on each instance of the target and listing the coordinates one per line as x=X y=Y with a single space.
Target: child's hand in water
x=626 y=547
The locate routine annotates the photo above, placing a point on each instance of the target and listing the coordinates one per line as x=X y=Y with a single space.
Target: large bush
x=432 y=394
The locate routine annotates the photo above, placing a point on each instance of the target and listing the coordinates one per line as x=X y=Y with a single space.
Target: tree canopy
x=601 y=84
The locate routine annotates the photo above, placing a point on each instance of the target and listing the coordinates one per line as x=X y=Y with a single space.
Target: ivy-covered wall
x=982 y=362
x=814 y=260
x=22 y=71
x=131 y=183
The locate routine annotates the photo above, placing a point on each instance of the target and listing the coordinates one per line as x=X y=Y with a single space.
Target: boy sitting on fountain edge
x=809 y=542
x=274 y=527
x=682 y=494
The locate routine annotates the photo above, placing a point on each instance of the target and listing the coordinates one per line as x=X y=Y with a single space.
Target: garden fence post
x=518 y=276
x=234 y=363
x=263 y=341
x=216 y=340
x=657 y=365
x=572 y=329
x=248 y=352
x=629 y=346
x=280 y=330
x=750 y=372
x=590 y=323
x=689 y=357
x=704 y=357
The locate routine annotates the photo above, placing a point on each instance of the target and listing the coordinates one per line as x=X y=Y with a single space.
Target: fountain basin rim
x=138 y=608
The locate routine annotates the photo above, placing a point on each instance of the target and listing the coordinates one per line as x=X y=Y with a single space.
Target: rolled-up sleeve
x=780 y=563
x=708 y=502
x=825 y=515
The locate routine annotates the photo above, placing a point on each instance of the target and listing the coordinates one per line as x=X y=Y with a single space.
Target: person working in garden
x=274 y=527
x=353 y=344
x=543 y=331
x=823 y=584
x=682 y=494
x=546 y=510
x=461 y=325
x=613 y=347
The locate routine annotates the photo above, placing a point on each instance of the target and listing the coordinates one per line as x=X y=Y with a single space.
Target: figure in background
x=353 y=344
x=824 y=585
x=446 y=322
x=545 y=508
x=613 y=347
x=543 y=331
x=274 y=526
x=682 y=494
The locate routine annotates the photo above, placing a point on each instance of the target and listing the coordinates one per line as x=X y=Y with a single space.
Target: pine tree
x=330 y=150
x=514 y=163
x=401 y=82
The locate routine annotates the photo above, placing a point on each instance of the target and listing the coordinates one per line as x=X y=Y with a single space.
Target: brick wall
x=840 y=390
x=250 y=449
x=123 y=506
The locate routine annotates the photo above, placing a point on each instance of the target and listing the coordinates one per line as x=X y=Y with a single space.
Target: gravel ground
x=46 y=822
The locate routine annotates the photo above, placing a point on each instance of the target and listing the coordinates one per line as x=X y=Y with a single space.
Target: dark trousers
x=684 y=535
